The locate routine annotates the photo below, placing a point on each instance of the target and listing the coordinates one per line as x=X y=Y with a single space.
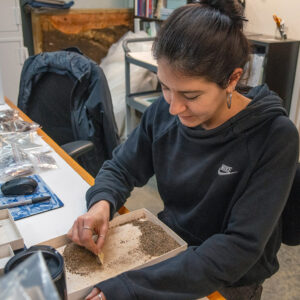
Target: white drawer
x=10 y=16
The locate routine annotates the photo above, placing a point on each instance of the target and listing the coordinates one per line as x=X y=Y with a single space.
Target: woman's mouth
x=185 y=117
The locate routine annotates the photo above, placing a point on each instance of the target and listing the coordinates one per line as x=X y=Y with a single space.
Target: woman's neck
x=238 y=103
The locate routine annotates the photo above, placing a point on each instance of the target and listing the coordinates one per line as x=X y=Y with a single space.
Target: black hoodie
x=223 y=190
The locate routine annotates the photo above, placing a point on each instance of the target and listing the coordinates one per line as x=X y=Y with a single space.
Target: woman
x=224 y=164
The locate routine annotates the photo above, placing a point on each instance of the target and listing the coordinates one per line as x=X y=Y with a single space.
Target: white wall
x=260 y=16
x=102 y=4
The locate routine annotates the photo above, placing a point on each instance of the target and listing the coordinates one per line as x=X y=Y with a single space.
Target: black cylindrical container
x=54 y=262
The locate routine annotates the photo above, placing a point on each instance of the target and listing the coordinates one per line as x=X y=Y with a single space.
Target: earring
x=229 y=98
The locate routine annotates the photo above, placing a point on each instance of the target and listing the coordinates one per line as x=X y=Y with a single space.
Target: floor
x=284 y=285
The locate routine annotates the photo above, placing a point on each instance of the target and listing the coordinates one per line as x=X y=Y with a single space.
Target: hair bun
x=231 y=8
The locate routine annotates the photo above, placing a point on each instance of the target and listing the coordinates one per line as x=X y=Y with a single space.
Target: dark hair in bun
x=231 y=8
x=205 y=39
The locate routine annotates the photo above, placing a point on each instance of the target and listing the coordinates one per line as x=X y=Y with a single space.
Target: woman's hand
x=95 y=294
x=95 y=221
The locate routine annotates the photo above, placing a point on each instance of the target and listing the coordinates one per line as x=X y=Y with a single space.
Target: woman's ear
x=234 y=79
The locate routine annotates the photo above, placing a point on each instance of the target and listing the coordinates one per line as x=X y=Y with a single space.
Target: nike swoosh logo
x=222 y=173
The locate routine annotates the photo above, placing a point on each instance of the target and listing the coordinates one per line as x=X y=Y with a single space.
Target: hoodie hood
x=264 y=105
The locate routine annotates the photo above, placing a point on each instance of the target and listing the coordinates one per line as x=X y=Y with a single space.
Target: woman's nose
x=177 y=105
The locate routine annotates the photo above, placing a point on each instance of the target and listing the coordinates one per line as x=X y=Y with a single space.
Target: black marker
x=26 y=202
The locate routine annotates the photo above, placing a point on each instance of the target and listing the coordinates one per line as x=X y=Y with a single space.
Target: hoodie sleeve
x=226 y=257
x=130 y=166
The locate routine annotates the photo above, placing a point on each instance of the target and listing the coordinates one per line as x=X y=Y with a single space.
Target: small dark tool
x=19 y=186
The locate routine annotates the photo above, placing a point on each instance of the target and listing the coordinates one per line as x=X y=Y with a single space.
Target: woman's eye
x=191 y=98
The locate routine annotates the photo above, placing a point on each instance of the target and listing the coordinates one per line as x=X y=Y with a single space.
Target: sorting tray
x=121 y=252
x=9 y=233
x=6 y=253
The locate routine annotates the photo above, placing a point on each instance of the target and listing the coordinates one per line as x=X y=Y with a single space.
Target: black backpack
x=291 y=214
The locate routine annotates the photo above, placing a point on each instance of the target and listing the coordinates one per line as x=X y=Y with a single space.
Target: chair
x=68 y=95
x=291 y=214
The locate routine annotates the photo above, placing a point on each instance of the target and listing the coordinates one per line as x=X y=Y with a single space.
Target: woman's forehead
x=171 y=77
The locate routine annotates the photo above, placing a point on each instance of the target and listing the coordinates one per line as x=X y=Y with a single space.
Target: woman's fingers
x=101 y=236
x=95 y=221
x=73 y=233
x=81 y=233
x=87 y=229
x=92 y=294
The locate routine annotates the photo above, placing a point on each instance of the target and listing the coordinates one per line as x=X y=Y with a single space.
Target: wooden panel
x=92 y=31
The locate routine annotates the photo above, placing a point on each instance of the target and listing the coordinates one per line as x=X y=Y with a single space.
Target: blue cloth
x=37 y=4
x=25 y=211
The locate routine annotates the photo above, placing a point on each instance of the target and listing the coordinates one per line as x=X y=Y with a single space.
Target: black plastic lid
x=53 y=259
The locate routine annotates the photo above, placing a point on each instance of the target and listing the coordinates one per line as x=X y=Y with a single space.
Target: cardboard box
x=121 y=252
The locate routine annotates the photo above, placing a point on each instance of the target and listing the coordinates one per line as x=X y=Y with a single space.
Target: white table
x=71 y=189
x=68 y=184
